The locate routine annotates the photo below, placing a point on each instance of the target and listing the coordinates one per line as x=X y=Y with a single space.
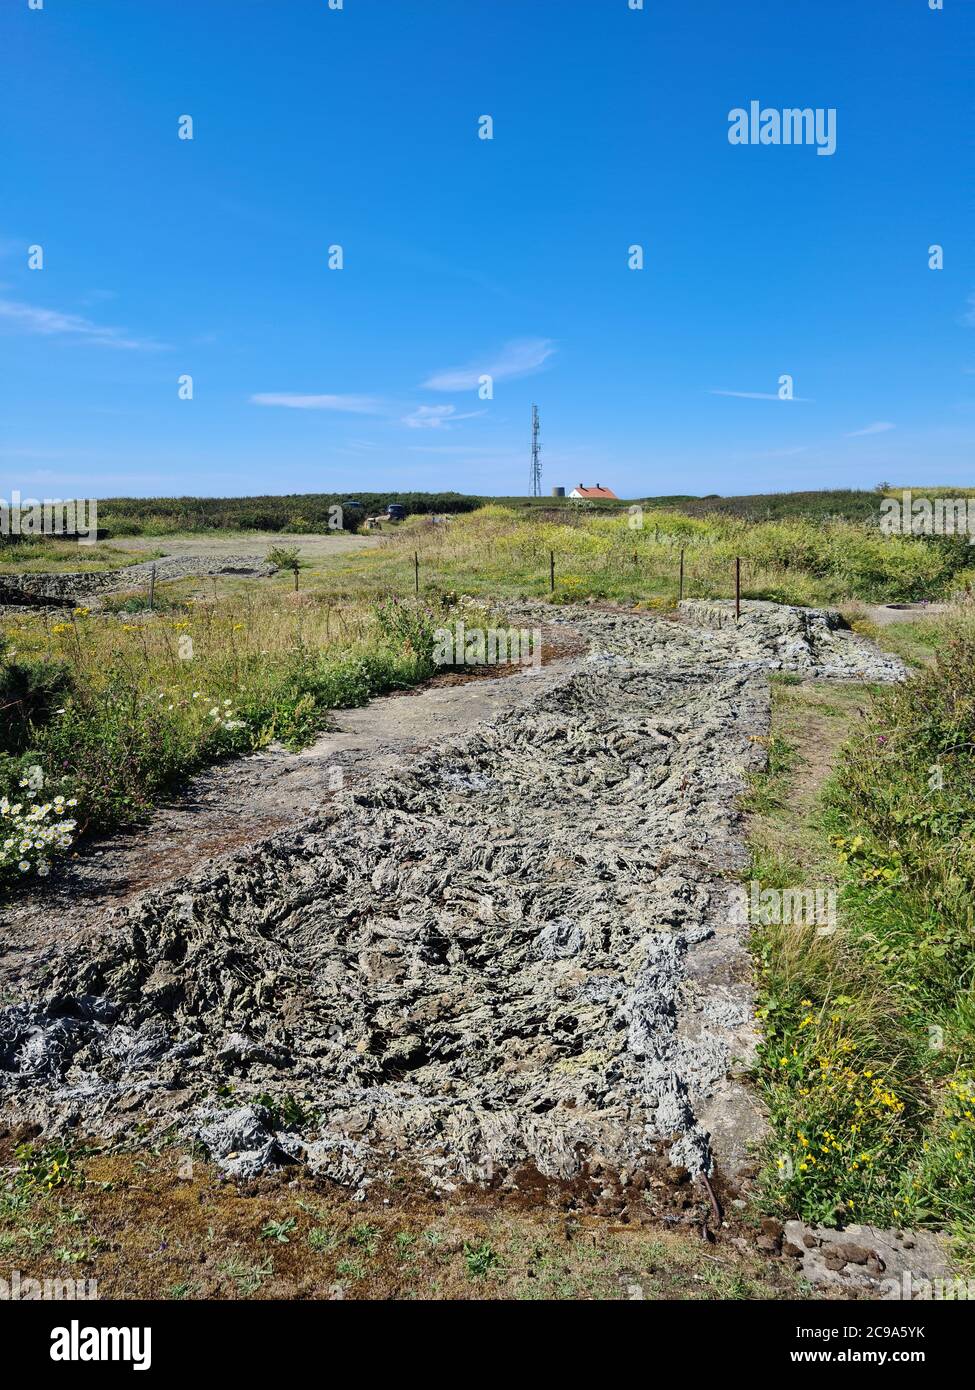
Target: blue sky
x=314 y=127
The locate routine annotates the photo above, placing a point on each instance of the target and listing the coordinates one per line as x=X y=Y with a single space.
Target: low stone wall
x=67 y=590
x=720 y=613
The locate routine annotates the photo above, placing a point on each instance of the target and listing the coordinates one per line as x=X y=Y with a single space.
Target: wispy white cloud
x=878 y=427
x=418 y=417
x=53 y=323
x=352 y=405
x=969 y=315
x=437 y=417
x=515 y=359
x=759 y=396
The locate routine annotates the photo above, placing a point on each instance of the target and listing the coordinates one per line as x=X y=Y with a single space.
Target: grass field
x=51 y=556
x=790 y=551
x=497 y=551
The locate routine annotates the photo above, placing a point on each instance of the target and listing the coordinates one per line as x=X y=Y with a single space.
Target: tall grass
x=500 y=551
x=115 y=711
x=49 y=555
x=868 y=1063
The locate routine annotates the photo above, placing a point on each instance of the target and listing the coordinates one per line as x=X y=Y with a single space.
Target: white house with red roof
x=594 y=492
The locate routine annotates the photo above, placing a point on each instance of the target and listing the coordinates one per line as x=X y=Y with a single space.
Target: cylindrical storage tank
x=558 y=491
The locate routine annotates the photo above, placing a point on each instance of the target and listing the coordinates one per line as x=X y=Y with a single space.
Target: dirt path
x=218 y=544
x=244 y=801
x=884 y=614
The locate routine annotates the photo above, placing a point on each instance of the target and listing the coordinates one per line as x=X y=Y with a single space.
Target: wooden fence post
x=416 y=572
x=680 y=589
x=737 y=588
x=551 y=571
x=152 y=587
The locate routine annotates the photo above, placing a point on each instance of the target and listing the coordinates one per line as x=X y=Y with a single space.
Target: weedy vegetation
x=868 y=1057
x=613 y=555
x=102 y=715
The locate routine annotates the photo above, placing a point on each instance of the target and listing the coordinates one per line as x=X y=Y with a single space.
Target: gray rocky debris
x=812 y=642
x=815 y=642
x=886 y=1264
x=516 y=949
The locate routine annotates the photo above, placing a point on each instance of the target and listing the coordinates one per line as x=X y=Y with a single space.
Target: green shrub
x=410 y=625
x=29 y=691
